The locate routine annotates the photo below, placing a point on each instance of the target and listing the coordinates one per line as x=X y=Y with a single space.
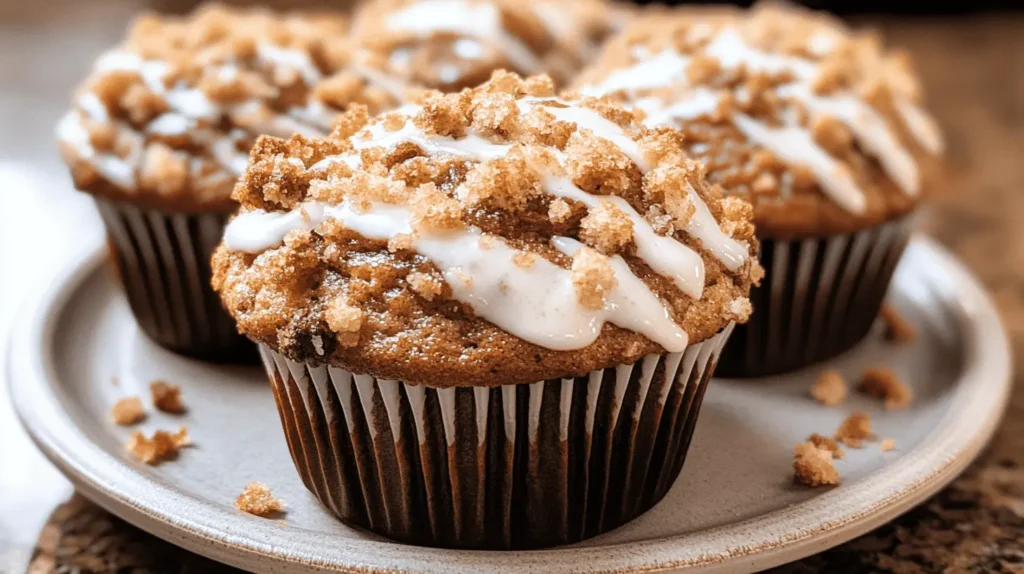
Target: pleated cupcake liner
x=163 y=261
x=515 y=466
x=819 y=298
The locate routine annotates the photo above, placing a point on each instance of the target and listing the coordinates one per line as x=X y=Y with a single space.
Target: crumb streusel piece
x=423 y=243
x=163 y=445
x=454 y=44
x=166 y=397
x=128 y=411
x=812 y=466
x=257 y=499
x=167 y=117
x=830 y=388
x=855 y=430
x=887 y=445
x=882 y=383
x=897 y=329
x=828 y=444
x=818 y=126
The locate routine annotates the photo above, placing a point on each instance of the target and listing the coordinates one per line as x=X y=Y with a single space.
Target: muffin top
x=453 y=44
x=499 y=235
x=819 y=127
x=166 y=118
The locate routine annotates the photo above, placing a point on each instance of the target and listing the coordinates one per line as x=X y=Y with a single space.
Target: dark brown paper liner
x=819 y=297
x=163 y=260
x=516 y=466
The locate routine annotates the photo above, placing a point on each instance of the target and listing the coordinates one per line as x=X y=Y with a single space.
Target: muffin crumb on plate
x=163 y=445
x=257 y=499
x=812 y=466
x=854 y=430
x=826 y=443
x=166 y=397
x=830 y=388
x=128 y=411
x=897 y=329
x=882 y=383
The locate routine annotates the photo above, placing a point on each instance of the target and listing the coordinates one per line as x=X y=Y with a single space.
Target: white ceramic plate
x=734 y=508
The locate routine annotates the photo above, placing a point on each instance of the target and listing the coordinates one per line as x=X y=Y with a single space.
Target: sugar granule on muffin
x=854 y=430
x=812 y=466
x=562 y=188
x=826 y=443
x=830 y=388
x=162 y=446
x=257 y=499
x=128 y=411
x=882 y=383
x=897 y=329
x=166 y=397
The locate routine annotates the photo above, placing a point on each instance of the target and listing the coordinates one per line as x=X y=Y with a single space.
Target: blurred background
x=46 y=47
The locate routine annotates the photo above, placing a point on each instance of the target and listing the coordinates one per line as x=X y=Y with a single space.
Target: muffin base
x=163 y=261
x=514 y=466
x=819 y=298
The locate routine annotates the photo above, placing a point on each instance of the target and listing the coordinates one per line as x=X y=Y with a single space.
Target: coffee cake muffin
x=489 y=321
x=453 y=44
x=161 y=129
x=818 y=127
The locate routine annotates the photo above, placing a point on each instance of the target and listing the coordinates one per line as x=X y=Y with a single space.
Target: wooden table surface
x=974 y=72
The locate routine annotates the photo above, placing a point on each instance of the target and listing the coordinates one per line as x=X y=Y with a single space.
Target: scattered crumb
x=854 y=430
x=897 y=329
x=128 y=411
x=812 y=466
x=882 y=383
x=115 y=381
x=887 y=445
x=166 y=397
x=257 y=499
x=830 y=389
x=162 y=446
x=827 y=444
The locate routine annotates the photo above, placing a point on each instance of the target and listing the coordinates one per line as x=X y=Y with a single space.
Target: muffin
x=488 y=321
x=819 y=128
x=160 y=131
x=453 y=44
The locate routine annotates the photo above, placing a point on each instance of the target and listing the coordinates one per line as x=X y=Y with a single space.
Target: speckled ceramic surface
x=734 y=508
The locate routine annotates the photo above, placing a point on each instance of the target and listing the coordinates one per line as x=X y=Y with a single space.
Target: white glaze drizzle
x=480 y=20
x=537 y=303
x=791 y=142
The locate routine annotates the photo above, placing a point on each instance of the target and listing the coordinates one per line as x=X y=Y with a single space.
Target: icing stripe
x=537 y=303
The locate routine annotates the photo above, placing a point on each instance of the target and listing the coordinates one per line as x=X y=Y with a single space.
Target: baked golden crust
x=166 y=118
x=470 y=39
x=329 y=294
x=768 y=65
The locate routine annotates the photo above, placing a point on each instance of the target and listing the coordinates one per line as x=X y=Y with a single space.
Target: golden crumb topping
x=167 y=117
x=430 y=234
x=818 y=126
x=454 y=44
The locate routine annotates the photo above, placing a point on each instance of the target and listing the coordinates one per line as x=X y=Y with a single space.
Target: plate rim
x=981 y=396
